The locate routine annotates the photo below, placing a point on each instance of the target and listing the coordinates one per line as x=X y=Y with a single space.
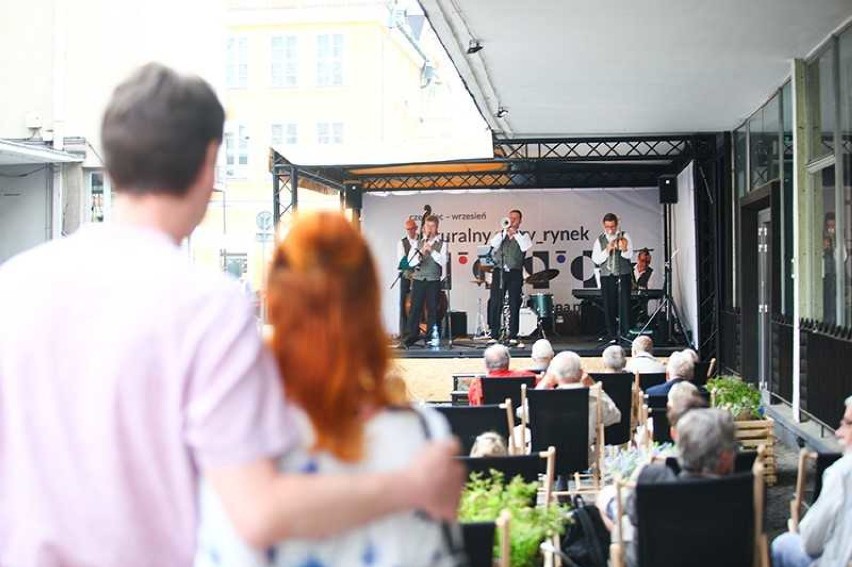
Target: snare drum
x=542 y=304
x=527 y=322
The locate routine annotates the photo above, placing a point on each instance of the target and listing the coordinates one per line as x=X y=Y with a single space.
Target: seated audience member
x=679 y=369
x=348 y=418
x=641 y=358
x=566 y=372
x=682 y=398
x=825 y=533
x=706 y=446
x=542 y=354
x=613 y=359
x=497 y=359
x=489 y=444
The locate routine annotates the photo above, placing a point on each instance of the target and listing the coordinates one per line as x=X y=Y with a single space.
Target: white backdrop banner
x=563 y=224
x=684 y=262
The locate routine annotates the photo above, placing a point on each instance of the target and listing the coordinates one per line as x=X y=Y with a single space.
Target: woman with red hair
x=331 y=348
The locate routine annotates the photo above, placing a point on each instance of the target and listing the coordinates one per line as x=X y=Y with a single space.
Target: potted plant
x=483 y=499
x=733 y=394
x=754 y=430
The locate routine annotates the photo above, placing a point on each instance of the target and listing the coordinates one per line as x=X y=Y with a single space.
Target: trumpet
x=505 y=223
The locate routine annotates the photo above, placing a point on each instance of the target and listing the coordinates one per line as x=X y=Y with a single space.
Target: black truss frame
x=539 y=163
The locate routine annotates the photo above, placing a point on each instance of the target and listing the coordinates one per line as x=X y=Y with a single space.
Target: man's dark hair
x=520 y=214
x=610 y=217
x=156 y=130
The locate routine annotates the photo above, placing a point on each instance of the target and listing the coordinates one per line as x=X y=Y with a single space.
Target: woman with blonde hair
x=331 y=348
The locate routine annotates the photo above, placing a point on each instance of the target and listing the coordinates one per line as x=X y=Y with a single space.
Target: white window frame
x=330 y=49
x=330 y=133
x=284 y=61
x=236 y=149
x=288 y=133
x=236 y=62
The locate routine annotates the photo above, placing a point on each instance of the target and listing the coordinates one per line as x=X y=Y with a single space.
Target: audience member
x=682 y=398
x=641 y=358
x=101 y=448
x=489 y=444
x=349 y=417
x=542 y=354
x=613 y=359
x=566 y=372
x=497 y=360
x=706 y=447
x=825 y=533
x=679 y=369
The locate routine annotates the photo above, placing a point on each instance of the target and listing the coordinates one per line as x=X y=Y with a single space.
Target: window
x=236 y=67
x=96 y=208
x=330 y=60
x=821 y=104
x=287 y=133
x=330 y=133
x=236 y=151
x=285 y=61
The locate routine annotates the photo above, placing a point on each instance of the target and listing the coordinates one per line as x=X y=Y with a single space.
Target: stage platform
x=470 y=348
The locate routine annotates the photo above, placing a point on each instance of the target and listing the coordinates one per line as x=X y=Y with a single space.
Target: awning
x=17 y=153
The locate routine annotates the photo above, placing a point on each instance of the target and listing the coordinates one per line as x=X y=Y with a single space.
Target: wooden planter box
x=751 y=434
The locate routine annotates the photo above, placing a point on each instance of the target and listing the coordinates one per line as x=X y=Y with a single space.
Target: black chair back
x=468 y=422
x=496 y=390
x=743 y=462
x=823 y=461
x=527 y=467
x=619 y=387
x=561 y=418
x=660 y=421
x=479 y=543
x=675 y=518
x=651 y=379
x=699 y=376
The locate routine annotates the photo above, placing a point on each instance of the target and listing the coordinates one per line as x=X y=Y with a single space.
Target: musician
x=643 y=270
x=509 y=248
x=407 y=259
x=611 y=252
x=426 y=280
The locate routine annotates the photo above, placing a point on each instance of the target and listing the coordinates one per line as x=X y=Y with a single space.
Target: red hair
x=328 y=338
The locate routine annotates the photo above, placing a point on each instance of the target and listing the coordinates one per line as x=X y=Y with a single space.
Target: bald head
x=496 y=358
x=566 y=367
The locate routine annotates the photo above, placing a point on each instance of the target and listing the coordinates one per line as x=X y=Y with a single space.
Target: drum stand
x=482 y=329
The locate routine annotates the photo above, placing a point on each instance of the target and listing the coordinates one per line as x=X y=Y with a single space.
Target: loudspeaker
x=458 y=321
x=352 y=196
x=668 y=189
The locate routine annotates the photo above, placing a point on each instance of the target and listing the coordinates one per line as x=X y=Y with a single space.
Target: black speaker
x=352 y=196
x=458 y=321
x=668 y=189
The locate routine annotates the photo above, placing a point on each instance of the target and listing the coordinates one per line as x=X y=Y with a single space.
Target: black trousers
x=423 y=292
x=501 y=281
x=404 y=289
x=616 y=303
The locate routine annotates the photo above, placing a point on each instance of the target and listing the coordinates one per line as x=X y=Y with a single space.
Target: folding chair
x=619 y=387
x=468 y=422
x=560 y=418
x=642 y=383
x=479 y=541
x=496 y=390
x=822 y=461
x=703 y=372
x=675 y=518
x=529 y=467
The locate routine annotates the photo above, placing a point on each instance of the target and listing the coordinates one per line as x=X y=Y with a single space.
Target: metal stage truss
x=537 y=163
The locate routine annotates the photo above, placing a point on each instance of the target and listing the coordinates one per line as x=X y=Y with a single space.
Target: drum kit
x=536 y=313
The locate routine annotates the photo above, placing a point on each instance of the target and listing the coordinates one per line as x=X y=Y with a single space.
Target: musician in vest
x=509 y=248
x=426 y=280
x=407 y=259
x=611 y=252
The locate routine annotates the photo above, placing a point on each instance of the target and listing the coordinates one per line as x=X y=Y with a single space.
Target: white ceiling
x=570 y=67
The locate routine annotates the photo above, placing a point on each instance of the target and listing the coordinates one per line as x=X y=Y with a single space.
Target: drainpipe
x=59 y=65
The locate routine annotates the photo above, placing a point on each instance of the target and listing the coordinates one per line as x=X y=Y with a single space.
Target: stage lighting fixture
x=474 y=46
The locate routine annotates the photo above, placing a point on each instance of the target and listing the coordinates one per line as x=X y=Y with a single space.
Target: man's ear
x=726 y=462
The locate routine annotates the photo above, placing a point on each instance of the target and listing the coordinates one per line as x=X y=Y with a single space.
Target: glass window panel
x=826 y=240
x=787 y=197
x=740 y=160
x=845 y=156
x=821 y=104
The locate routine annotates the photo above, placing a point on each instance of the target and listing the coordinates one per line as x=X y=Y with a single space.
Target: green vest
x=510 y=254
x=428 y=269
x=615 y=264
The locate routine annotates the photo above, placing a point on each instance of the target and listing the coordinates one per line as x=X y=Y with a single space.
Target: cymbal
x=541 y=277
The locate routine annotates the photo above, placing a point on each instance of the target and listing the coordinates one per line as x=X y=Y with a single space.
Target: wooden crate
x=751 y=434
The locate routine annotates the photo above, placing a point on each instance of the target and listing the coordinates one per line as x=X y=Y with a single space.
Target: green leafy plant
x=484 y=497
x=740 y=398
